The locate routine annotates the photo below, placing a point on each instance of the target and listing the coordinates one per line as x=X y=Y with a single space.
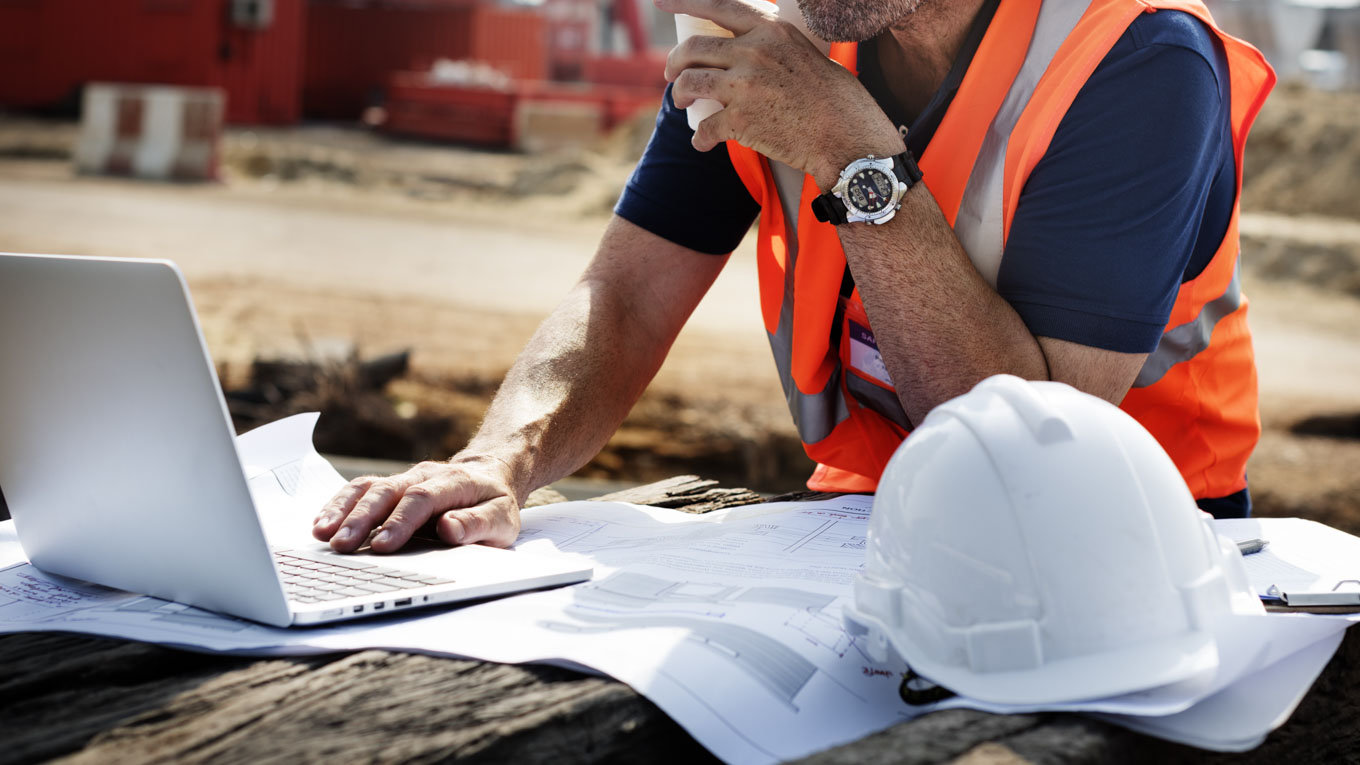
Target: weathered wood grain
x=80 y=699
x=934 y=738
x=375 y=706
x=686 y=492
x=103 y=701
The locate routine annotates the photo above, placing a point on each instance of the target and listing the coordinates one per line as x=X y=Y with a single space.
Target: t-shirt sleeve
x=692 y=198
x=1108 y=222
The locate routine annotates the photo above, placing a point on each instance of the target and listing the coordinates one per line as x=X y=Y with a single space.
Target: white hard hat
x=1032 y=544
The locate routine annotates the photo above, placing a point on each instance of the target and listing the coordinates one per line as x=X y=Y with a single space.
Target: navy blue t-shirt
x=1131 y=199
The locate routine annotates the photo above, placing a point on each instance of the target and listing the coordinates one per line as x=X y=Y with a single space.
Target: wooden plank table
x=80 y=699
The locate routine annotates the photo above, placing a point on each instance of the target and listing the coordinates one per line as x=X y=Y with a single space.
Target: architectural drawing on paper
x=628 y=589
x=831 y=535
x=824 y=631
x=629 y=600
x=175 y=613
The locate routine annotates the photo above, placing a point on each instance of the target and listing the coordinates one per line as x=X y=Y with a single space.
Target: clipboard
x=1342 y=598
x=1307 y=567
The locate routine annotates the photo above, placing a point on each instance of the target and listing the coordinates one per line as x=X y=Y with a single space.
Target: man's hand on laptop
x=468 y=499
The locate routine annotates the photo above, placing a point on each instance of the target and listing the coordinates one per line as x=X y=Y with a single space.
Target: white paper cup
x=686 y=27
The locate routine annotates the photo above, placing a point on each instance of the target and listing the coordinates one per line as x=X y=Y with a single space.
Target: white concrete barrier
x=1315 y=41
x=150 y=131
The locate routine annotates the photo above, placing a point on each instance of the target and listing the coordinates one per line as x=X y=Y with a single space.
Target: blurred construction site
x=524 y=75
x=431 y=67
x=375 y=201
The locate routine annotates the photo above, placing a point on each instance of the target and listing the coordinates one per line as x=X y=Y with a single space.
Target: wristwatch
x=870 y=190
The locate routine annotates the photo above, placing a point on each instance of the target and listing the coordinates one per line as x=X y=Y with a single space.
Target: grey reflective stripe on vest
x=1186 y=341
x=814 y=414
x=879 y=399
x=980 y=220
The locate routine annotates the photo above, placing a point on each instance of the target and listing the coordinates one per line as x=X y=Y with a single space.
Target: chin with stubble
x=855 y=20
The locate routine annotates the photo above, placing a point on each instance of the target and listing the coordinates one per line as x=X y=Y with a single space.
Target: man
x=1076 y=222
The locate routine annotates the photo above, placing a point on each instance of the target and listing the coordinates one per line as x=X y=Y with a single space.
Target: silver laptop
x=119 y=463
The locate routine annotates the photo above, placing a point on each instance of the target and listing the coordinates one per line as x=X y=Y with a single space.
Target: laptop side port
x=402 y=602
x=358 y=609
x=379 y=606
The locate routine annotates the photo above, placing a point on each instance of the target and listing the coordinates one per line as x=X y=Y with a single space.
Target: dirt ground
x=332 y=245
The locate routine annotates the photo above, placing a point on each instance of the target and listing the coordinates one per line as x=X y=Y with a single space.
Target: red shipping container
x=464 y=114
x=262 y=73
x=639 y=70
x=50 y=48
x=487 y=116
x=353 y=47
x=514 y=41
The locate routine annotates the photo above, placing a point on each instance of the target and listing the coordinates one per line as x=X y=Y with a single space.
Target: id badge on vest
x=859 y=349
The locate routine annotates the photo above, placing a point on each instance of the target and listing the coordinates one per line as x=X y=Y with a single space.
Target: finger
x=716 y=129
x=417 y=506
x=369 y=511
x=339 y=506
x=699 y=52
x=494 y=523
x=693 y=84
x=739 y=16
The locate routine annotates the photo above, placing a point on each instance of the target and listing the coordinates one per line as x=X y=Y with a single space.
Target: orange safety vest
x=1197 y=391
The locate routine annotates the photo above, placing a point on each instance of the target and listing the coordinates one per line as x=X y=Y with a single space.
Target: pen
x=1252 y=546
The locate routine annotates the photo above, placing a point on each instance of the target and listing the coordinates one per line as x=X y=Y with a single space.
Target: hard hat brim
x=1189 y=656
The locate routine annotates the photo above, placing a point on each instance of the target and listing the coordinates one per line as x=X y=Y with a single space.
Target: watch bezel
x=854 y=214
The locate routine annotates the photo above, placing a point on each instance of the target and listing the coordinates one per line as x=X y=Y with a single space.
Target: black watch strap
x=828 y=208
x=904 y=165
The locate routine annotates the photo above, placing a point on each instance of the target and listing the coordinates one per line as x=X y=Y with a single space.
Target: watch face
x=870 y=190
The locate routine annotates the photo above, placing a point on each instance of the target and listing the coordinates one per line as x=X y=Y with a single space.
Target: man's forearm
x=565 y=395
x=590 y=360
x=569 y=389
x=940 y=327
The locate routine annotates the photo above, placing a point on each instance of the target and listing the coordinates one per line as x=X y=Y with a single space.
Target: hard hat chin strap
x=917 y=691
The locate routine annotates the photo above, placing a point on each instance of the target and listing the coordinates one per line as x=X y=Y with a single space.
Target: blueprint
x=730 y=621
x=747 y=603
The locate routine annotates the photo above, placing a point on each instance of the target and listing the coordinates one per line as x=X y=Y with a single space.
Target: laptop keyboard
x=315 y=580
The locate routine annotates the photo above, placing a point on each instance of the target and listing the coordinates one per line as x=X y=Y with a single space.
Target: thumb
x=494 y=523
